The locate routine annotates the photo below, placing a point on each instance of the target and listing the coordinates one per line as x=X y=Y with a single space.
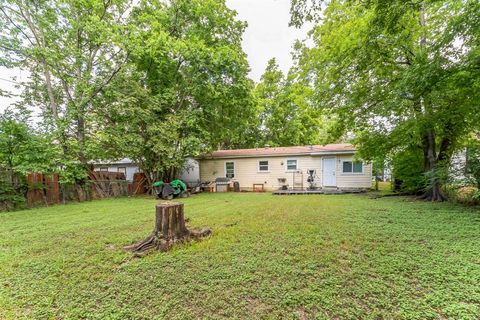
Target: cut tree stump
x=169 y=229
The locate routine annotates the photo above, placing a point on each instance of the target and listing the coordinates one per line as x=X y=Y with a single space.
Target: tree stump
x=169 y=228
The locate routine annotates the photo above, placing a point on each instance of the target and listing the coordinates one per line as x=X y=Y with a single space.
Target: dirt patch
x=257 y=306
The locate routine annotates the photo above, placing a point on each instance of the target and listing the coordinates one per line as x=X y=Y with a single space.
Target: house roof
x=282 y=151
x=113 y=162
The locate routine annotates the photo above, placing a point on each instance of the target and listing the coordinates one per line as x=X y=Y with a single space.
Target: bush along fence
x=43 y=189
x=12 y=190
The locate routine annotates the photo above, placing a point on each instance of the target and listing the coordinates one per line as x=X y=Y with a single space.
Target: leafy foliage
x=473 y=164
x=285 y=113
x=154 y=80
x=23 y=149
x=407 y=170
x=185 y=90
x=12 y=190
x=399 y=75
x=72 y=50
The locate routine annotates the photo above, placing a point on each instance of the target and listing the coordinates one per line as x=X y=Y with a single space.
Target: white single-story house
x=302 y=167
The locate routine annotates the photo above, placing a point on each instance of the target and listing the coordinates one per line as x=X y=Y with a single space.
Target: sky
x=8 y=84
x=267 y=35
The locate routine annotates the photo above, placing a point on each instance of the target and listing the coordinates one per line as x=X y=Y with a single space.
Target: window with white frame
x=292 y=164
x=352 y=167
x=105 y=169
x=230 y=169
x=263 y=165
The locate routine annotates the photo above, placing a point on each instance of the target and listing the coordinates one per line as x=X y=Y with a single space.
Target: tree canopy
x=403 y=77
x=72 y=50
x=158 y=81
x=185 y=90
x=155 y=80
x=285 y=114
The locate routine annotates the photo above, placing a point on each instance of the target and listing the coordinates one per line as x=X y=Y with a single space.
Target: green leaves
x=185 y=89
x=22 y=149
x=72 y=50
x=285 y=114
x=393 y=73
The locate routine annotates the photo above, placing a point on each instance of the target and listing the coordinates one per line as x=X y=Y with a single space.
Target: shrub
x=467 y=195
x=12 y=192
x=408 y=171
x=476 y=196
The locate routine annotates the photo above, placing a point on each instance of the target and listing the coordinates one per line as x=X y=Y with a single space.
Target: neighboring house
x=190 y=173
x=270 y=168
x=124 y=165
x=458 y=165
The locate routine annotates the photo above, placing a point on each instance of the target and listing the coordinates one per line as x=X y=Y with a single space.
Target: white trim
x=234 y=168
x=352 y=173
x=292 y=170
x=258 y=166
x=323 y=170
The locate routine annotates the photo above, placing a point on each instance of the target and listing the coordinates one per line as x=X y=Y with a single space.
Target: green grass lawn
x=294 y=257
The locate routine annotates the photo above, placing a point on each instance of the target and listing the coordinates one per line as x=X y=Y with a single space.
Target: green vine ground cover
x=290 y=257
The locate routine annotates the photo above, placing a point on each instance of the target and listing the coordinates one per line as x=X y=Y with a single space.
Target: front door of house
x=328 y=172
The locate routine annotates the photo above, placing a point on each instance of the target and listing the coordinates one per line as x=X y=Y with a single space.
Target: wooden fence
x=37 y=189
x=42 y=189
x=139 y=185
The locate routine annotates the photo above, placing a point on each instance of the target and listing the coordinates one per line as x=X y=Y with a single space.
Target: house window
x=352 y=167
x=230 y=169
x=122 y=170
x=292 y=164
x=263 y=166
x=103 y=169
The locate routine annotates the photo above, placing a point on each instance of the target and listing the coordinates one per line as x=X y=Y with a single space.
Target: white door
x=329 y=178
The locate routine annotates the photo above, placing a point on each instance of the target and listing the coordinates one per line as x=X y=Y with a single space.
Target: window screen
x=347 y=166
x=352 y=167
x=358 y=167
x=263 y=165
x=291 y=164
x=230 y=169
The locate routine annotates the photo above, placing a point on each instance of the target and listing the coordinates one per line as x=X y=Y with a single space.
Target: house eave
x=319 y=153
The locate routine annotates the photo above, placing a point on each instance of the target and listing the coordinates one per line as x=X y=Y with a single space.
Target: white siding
x=131 y=169
x=247 y=174
x=353 y=180
x=190 y=172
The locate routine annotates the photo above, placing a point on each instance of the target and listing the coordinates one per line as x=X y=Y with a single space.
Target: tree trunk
x=433 y=191
x=51 y=96
x=169 y=228
x=81 y=138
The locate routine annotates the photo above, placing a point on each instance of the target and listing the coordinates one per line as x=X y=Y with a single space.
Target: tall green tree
x=400 y=75
x=72 y=50
x=285 y=113
x=185 y=90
